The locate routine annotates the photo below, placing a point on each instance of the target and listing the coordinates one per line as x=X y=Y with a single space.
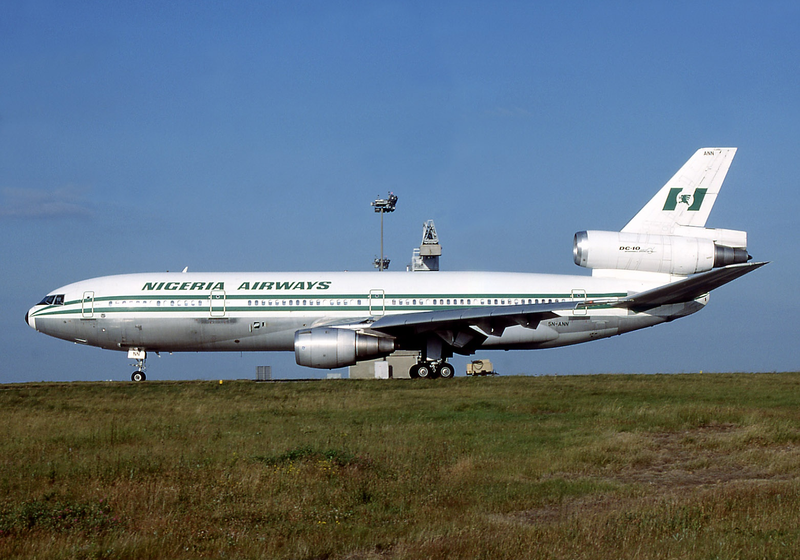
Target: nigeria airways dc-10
x=661 y=266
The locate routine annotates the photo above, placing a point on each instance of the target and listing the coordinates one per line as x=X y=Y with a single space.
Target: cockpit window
x=53 y=300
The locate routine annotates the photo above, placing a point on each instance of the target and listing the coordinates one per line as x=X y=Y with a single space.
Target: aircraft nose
x=30 y=320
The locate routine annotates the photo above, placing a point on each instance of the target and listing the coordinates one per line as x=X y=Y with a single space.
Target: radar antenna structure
x=426 y=256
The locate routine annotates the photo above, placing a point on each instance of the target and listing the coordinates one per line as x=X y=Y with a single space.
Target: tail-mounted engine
x=670 y=254
x=335 y=347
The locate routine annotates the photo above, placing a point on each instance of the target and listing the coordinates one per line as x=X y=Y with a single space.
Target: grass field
x=611 y=466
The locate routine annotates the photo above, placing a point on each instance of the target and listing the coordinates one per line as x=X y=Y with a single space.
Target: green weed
x=651 y=466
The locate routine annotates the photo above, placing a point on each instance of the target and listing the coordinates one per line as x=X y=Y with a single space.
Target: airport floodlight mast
x=384 y=205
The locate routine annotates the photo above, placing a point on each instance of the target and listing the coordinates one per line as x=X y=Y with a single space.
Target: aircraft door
x=216 y=303
x=579 y=297
x=377 y=304
x=87 y=305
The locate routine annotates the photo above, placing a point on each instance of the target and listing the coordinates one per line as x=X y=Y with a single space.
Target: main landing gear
x=432 y=370
x=140 y=355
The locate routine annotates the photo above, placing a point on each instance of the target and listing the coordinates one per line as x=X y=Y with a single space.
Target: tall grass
x=672 y=466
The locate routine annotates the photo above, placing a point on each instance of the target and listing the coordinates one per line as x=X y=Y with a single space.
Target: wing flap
x=492 y=320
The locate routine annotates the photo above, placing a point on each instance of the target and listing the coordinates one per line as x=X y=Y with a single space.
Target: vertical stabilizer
x=687 y=198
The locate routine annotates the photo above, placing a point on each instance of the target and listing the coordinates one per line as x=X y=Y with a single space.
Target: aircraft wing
x=465 y=329
x=687 y=289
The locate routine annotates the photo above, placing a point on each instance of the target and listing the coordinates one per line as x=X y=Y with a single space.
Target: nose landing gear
x=140 y=355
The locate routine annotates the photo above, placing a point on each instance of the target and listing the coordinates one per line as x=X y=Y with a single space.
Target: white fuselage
x=261 y=311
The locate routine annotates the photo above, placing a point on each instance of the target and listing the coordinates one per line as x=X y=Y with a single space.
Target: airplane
x=660 y=267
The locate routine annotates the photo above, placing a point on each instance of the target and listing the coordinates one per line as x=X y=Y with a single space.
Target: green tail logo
x=676 y=196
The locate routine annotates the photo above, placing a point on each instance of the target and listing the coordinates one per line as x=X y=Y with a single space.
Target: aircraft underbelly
x=170 y=334
x=565 y=331
x=80 y=330
x=223 y=334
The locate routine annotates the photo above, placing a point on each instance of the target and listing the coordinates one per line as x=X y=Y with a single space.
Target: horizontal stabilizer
x=687 y=289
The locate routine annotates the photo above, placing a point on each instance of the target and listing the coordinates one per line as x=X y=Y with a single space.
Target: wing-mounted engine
x=668 y=254
x=329 y=348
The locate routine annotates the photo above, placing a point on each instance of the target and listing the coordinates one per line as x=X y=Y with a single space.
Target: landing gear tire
x=413 y=372
x=446 y=371
x=424 y=371
x=138 y=376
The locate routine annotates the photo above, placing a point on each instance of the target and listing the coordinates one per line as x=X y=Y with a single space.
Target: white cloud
x=65 y=202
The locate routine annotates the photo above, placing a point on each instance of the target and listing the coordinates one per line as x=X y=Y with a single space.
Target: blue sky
x=151 y=136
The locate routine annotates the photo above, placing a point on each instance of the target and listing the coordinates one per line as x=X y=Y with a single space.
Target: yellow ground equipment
x=480 y=367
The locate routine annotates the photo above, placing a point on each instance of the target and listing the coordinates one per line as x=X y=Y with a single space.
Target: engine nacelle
x=669 y=254
x=333 y=347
